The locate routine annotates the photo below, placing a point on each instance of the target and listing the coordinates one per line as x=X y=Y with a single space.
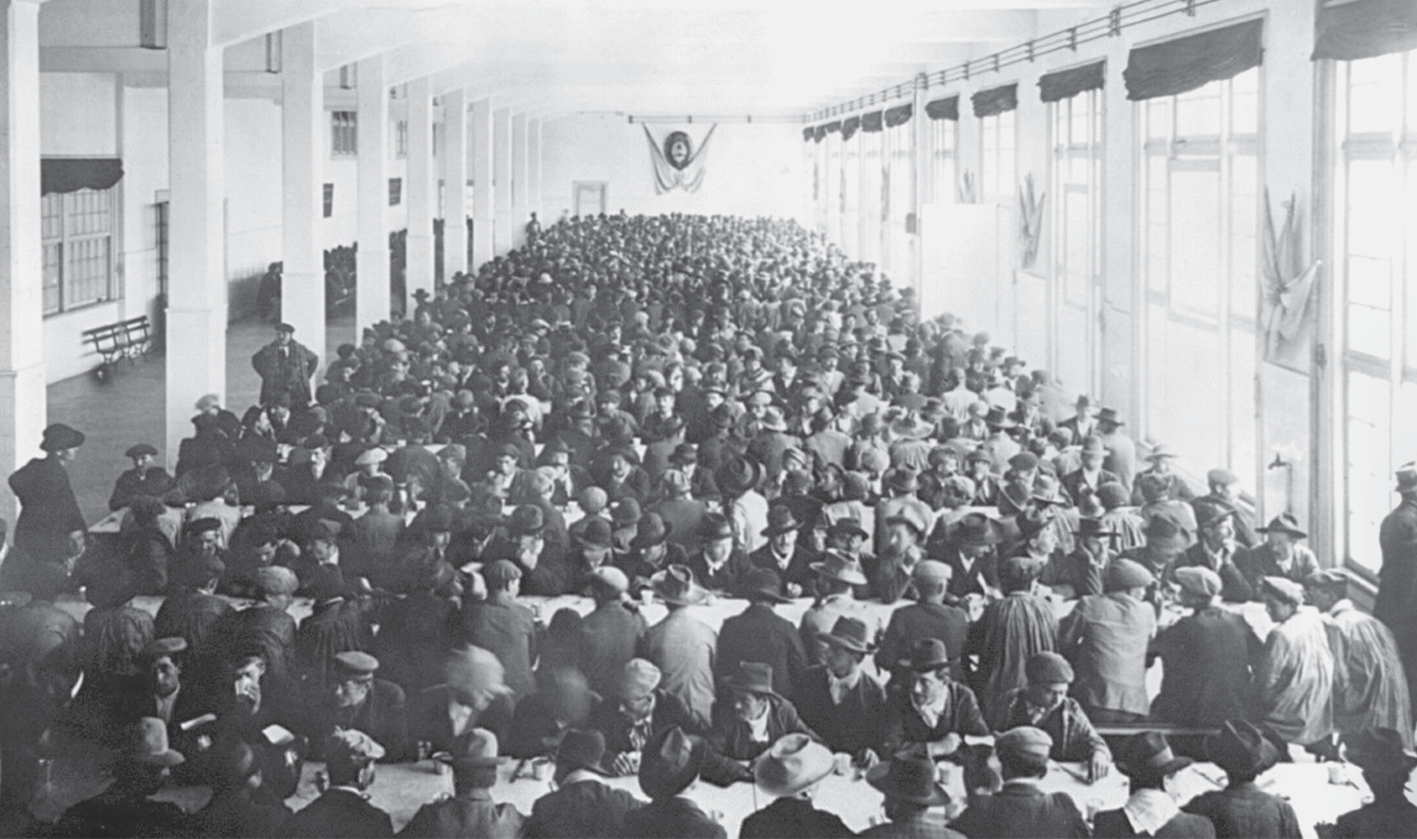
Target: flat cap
x=1283 y=588
x=351 y=747
x=1126 y=573
x=500 y=572
x=932 y=571
x=1199 y=581
x=1024 y=740
x=1223 y=477
x=1327 y=578
x=276 y=579
x=1048 y=668
x=140 y=450
x=358 y=663
x=611 y=578
x=162 y=647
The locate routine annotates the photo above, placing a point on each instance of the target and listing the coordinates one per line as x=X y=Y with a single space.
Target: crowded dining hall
x=1011 y=452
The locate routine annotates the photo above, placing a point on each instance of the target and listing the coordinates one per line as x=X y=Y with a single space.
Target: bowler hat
x=739 y=475
x=902 y=480
x=1165 y=532
x=1241 y=749
x=1109 y=415
x=760 y=584
x=927 y=654
x=651 y=530
x=1093 y=445
x=676 y=585
x=58 y=437
x=714 y=527
x=526 y=520
x=976 y=530
x=626 y=512
x=836 y=565
x=909 y=779
x=849 y=634
x=1284 y=523
x=1096 y=528
x=792 y=764
x=670 y=762
x=781 y=520
x=997 y=418
x=597 y=534
x=581 y=750
x=1147 y=756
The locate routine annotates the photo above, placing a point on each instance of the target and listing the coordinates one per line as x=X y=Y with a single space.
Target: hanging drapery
x=849 y=127
x=1184 y=64
x=872 y=122
x=1348 y=31
x=808 y=134
x=995 y=100
x=947 y=108
x=71 y=174
x=899 y=115
x=1065 y=84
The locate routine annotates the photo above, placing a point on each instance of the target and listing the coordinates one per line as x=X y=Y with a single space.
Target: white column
x=372 y=264
x=533 y=169
x=302 y=289
x=920 y=162
x=480 y=146
x=517 y=230
x=501 y=181
x=421 y=190
x=196 y=303
x=454 y=183
x=22 y=393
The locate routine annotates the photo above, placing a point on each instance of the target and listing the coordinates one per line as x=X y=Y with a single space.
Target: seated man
x=580 y=804
x=1386 y=765
x=239 y=805
x=791 y=771
x=344 y=809
x=1045 y=705
x=751 y=720
x=1293 y=681
x=671 y=766
x=643 y=710
x=841 y=701
x=357 y=700
x=474 y=694
x=1242 y=809
x=935 y=712
x=252 y=708
x=471 y=810
x=126 y=808
x=1020 y=808
x=1151 y=766
x=911 y=792
x=929 y=617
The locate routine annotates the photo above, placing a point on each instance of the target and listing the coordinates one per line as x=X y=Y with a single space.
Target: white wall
x=752 y=170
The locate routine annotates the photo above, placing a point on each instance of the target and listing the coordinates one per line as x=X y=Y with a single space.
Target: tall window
x=998 y=140
x=344 y=133
x=401 y=139
x=1076 y=207
x=77 y=230
x=899 y=195
x=1375 y=249
x=1199 y=225
x=869 y=201
x=944 y=145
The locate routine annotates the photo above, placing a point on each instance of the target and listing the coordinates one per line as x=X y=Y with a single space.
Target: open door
x=589 y=197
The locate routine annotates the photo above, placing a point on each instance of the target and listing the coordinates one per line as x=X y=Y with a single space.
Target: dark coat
x=1074 y=484
x=415 y=633
x=1245 y=811
x=473 y=813
x=584 y=808
x=1386 y=819
x=48 y=510
x=1113 y=824
x=334 y=627
x=112 y=813
x=508 y=630
x=1023 y=811
x=233 y=813
x=927 y=825
x=1074 y=738
x=671 y=818
x=858 y=723
x=337 y=814
x=790 y=818
x=1205 y=663
x=428 y=719
x=1397 y=581
x=152 y=483
x=728 y=576
x=799 y=566
x=382 y=715
x=190 y=615
x=535 y=725
x=759 y=634
x=1236 y=587
x=285 y=372
x=730 y=741
x=609 y=637
x=262 y=629
x=669 y=710
x=917 y=622
x=905 y=727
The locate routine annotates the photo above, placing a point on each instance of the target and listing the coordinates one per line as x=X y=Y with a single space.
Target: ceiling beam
x=240 y=20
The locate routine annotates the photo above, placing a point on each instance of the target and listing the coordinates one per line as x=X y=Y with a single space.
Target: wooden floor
x=128 y=408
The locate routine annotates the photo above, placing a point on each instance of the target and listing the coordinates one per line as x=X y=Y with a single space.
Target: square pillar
x=197 y=294
x=455 y=183
x=920 y=166
x=517 y=230
x=501 y=181
x=421 y=190
x=372 y=263
x=533 y=169
x=302 y=288
x=480 y=147
x=22 y=395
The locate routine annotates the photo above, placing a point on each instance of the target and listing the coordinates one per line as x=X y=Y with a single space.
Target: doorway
x=589 y=197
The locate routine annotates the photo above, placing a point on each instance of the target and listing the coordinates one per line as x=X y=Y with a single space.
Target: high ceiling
x=764 y=58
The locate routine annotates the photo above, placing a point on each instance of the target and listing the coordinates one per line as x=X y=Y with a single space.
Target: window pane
x=1372 y=206
x=1195 y=263
x=50 y=282
x=1373 y=94
x=1077 y=214
x=1158 y=118
x=1369 y=464
x=1198 y=112
x=1369 y=331
x=1370 y=282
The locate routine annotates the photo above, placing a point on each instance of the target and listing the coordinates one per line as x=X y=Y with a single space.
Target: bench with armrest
x=122 y=339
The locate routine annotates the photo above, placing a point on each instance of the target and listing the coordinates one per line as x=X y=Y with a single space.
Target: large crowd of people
x=676 y=410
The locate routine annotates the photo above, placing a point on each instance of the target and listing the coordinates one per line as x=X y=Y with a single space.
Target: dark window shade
x=947 y=108
x=1365 y=29
x=849 y=127
x=1065 y=84
x=995 y=100
x=71 y=174
x=872 y=122
x=899 y=115
x=808 y=133
x=1182 y=65
x=833 y=126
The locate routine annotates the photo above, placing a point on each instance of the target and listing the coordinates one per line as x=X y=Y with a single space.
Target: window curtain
x=71 y=174
x=947 y=108
x=995 y=100
x=808 y=134
x=1184 y=64
x=1348 y=31
x=872 y=122
x=899 y=115
x=1065 y=84
x=849 y=127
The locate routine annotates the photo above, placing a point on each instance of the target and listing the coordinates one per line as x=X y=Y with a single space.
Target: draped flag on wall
x=675 y=161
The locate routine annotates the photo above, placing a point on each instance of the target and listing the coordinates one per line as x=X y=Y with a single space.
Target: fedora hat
x=975 y=530
x=651 y=530
x=751 y=677
x=1093 y=445
x=849 y=634
x=1380 y=751
x=739 y=475
x=1208 y=513
x=913 y=518
x=1147 y=756
x=911 y=428
x=911 y=779
x=1284 y=523
x=760 y=584
x=1164 y=532
x=1161 y=450
x=715 y=526
x=781 y=520
x=676 y=585
x=836 y=565
x=474 y=748
x=773 y=420
x=998 y=418
x=581 y=750
x=1014 y=497
x=1096 y=528
x=626 y=512
x=149 y=744
x=1406 y=478
x=1109 y=415
x=526 y=520
x=848 y=525
x=792 y=764
x=927 y=654
x=670 y=762
x=902 y=480
x=1240 y=748
x=58 y=437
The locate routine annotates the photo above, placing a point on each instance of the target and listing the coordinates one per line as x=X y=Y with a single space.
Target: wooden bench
x=122 y=339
